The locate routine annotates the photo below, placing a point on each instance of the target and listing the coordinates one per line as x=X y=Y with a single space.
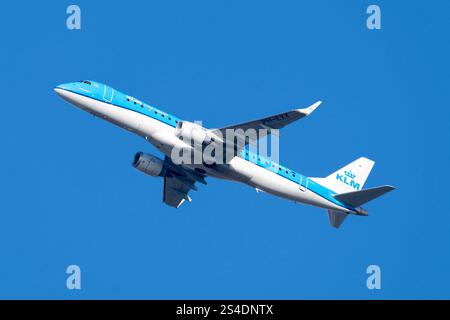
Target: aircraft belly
x=159 y=134
x=242 y=170
x=274 y=184
x=119 y=116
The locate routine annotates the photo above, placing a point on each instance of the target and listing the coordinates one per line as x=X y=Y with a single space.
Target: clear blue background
x=70 y=196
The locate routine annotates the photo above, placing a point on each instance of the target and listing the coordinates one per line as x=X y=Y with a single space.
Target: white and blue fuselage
x=159 y=127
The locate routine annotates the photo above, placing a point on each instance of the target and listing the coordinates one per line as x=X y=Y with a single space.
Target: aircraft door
x=303 y=183
x=108 y=94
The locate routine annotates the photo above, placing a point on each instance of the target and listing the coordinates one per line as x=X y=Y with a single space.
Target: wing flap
x=175 y=192
x=178 y=182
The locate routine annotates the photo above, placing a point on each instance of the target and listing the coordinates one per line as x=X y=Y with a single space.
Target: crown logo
x=349 y=174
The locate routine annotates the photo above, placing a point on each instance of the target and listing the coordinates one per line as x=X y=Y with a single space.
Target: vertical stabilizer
x=350 y=178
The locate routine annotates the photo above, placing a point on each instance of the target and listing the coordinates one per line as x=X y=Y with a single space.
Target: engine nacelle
x=191 y=132
x=148 y=164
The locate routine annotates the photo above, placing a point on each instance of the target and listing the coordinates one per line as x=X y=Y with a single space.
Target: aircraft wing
x=276 y=121
x=178 y=182
x=175 y=192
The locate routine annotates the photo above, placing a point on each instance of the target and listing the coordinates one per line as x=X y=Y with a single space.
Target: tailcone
x=362 y=212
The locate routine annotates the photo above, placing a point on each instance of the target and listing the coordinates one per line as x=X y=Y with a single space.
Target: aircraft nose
x=62 y=89
x=58 y=90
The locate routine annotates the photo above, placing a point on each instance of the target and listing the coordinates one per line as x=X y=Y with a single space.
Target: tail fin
x=350 y=178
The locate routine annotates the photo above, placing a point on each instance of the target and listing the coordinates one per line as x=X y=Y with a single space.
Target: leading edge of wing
x=276 y=121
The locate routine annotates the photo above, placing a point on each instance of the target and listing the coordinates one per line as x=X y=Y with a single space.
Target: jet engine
x=149 y=164
x=191 y=132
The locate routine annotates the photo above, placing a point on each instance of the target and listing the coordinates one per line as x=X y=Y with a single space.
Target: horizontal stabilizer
x=358 y=198
x=336 y=218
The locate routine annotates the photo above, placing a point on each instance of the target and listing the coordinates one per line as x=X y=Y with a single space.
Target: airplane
x=340 y=193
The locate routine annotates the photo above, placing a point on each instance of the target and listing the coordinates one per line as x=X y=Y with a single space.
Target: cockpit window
x=87 y=82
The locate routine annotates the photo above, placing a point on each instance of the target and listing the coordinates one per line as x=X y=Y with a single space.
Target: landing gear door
x=303 y=183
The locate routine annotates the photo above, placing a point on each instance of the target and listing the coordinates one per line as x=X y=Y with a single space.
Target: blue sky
x=70 y=196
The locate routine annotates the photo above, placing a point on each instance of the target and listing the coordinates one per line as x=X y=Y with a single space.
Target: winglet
x=310 y=109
